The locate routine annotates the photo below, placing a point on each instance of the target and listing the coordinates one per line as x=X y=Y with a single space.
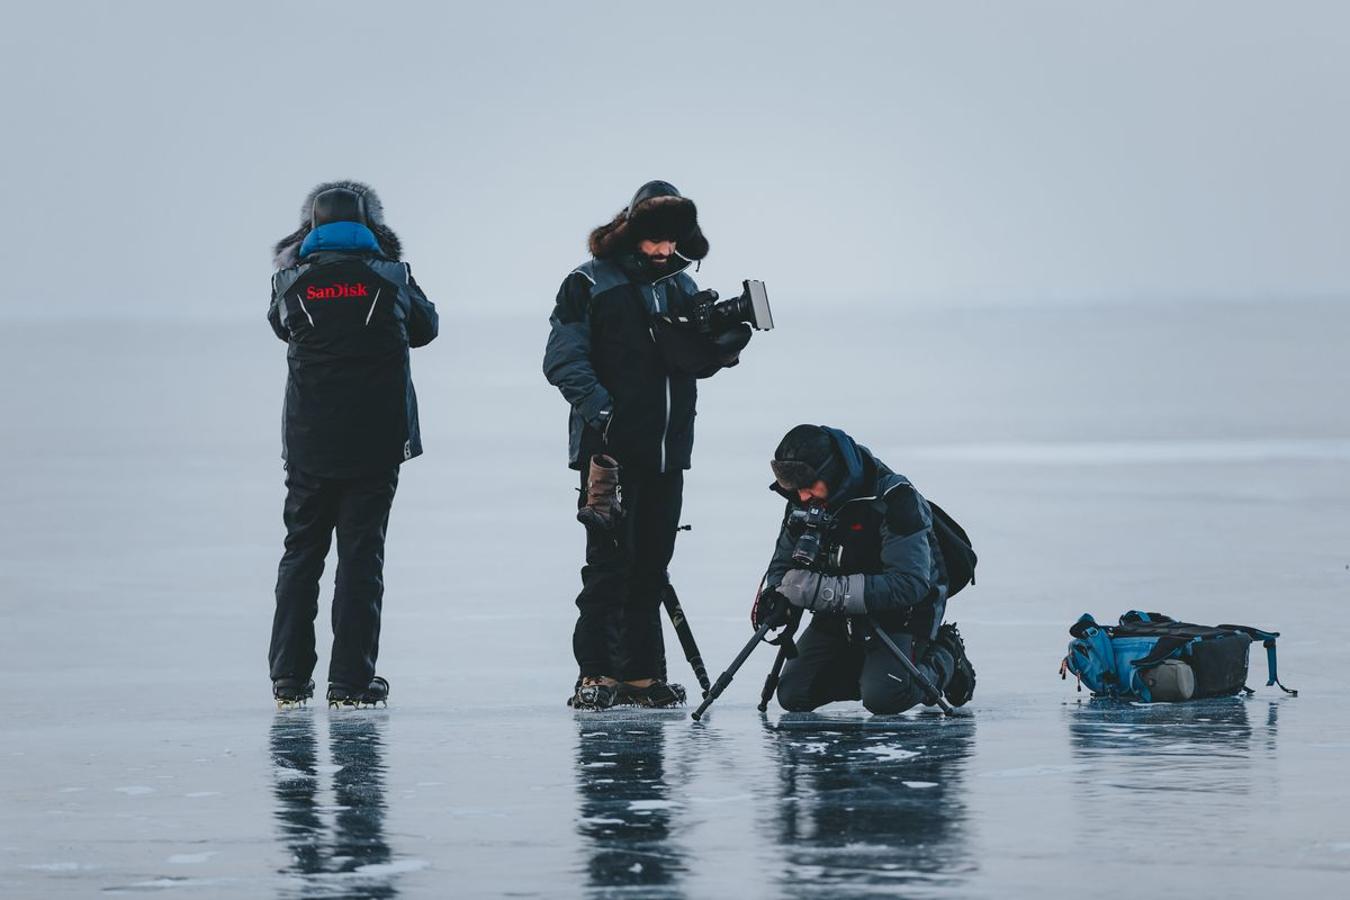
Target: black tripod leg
x=928 y=687
x=786 y=650
x=686 y=636
x=725 y=678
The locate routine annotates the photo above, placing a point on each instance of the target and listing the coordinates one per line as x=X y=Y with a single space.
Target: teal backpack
x=1153 y=658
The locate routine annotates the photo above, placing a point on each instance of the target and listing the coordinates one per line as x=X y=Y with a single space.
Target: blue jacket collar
x=351 y=237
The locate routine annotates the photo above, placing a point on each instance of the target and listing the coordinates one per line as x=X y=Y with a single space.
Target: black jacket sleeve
x=423 y=321
x=274 y=313
x=567 y=355
x=908 y=571
x=781 y=562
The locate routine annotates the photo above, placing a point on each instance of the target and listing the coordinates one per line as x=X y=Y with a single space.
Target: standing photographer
x=349 y=310
x=627 y=367
x=873 y=553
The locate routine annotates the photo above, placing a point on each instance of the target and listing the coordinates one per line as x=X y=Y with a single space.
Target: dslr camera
x=815 y=525
x=705 y=313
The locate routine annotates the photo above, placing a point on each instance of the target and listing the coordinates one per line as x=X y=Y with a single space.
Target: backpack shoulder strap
x=1267 y=639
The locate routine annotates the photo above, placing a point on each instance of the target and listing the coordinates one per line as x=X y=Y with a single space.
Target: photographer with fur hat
x=628 y=368
x=858 y=541
x=349 y=310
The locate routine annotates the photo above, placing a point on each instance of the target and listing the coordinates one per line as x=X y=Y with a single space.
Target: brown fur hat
x=657 y=211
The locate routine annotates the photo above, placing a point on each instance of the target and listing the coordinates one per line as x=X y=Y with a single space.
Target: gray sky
x=986 y=153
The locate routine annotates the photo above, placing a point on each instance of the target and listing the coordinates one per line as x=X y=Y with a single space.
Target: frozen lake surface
x=1194 y=461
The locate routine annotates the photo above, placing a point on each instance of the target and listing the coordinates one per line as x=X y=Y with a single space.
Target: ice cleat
x=660 y=694
x=961 y=686
x=342 y=696
x=593 y=694
x=292 y=693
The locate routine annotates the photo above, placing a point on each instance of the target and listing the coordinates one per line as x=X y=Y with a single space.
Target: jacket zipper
x=665 y=428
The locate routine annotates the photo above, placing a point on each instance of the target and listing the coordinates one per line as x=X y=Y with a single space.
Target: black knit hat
x=805 y=455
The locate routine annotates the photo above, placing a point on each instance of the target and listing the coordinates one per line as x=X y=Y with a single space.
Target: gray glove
x=824 y=593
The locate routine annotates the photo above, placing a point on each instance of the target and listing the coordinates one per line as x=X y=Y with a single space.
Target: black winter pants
x=358 y=509
x=830 y=667
x=618 y=630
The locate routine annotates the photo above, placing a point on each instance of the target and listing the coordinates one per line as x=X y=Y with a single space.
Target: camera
x=705 y=313
x=815 y=524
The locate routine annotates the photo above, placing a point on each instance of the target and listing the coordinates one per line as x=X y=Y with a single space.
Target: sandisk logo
x=336 y=291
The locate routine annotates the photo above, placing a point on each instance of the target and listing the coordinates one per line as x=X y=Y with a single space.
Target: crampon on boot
x=593 y=694
x=602 y=509
x=961 y=687
x=291 y=693
x=343 y=696
x=660 y=694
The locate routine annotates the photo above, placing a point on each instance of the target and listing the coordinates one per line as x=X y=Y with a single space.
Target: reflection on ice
x=862 y=803
x=335 y=839
x=626 y=810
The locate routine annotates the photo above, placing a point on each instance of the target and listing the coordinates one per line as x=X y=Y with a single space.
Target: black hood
x=828 y=454
x=286 y=252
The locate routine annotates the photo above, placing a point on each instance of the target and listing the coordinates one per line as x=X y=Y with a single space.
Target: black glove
x=730 y=342
x=770 y=606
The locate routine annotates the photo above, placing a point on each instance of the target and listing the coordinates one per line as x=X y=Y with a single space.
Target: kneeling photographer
x=859 y=543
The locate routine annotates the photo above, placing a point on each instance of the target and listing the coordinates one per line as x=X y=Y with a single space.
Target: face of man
x=817 y=491
x=659 y=253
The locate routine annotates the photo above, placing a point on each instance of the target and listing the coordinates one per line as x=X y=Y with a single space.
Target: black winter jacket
x=349 y=318
x=883 y=530
x=602 y=354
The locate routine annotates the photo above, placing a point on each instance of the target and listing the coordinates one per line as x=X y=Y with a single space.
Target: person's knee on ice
x=794 y=692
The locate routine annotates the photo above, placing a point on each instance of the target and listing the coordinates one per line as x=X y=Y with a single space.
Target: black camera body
x=815 y=526
x=704 y=313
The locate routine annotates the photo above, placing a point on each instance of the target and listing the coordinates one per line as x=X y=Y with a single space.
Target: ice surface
x=1188 y=460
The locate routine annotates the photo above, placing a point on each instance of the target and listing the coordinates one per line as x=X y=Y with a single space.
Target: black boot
x=345 y=696
x=291 y=692
x=593 y=694
x=961 y=686
x=660 y=694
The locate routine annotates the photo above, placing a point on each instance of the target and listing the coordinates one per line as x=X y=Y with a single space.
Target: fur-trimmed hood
x=657 y=210
x=286 y=253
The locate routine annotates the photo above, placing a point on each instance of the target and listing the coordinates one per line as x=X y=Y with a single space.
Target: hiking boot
x=593 y=694
x=961 y=686
x=291 y=693
x=345 y=696
x=660 y=694
x=602 y=509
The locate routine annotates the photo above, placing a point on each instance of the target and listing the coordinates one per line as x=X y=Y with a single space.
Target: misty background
x=900 y=153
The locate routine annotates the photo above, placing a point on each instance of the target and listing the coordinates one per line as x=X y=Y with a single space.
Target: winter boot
x=602 y=509
x=660 y=694
x=345 y=696
x=961 y=686
x=593 y=694
x=291 y=693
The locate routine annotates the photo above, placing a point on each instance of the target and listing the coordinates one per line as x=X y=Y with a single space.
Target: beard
x=658 y=263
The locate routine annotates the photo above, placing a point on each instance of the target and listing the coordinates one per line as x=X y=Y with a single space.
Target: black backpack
x=957 y=552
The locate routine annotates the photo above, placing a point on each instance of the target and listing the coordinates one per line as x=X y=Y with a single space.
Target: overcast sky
x=909 y=153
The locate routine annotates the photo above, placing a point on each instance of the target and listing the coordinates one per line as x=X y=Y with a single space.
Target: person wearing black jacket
x=629 y=373
x=349 y=310
x=879 y=559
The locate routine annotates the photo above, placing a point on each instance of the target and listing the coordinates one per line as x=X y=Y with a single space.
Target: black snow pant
x=830 y=666
x=358 y=509
x=618 y=631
